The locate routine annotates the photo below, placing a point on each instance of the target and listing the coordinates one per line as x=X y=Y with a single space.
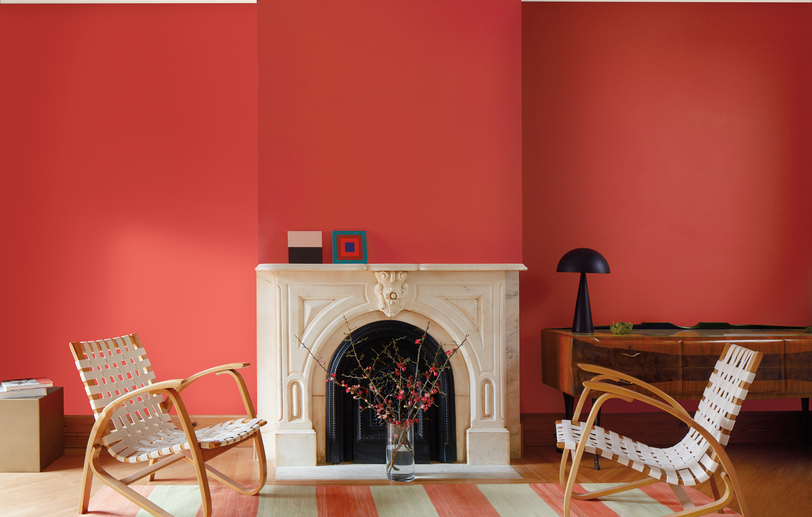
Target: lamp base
x=582 y=322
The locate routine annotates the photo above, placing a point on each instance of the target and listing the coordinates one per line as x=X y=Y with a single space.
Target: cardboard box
x=32 y=432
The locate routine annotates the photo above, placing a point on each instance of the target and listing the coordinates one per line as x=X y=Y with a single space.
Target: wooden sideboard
x=679 y=361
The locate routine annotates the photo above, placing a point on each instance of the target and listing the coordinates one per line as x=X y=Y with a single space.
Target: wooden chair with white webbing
x=700 y=456
x=134 y=425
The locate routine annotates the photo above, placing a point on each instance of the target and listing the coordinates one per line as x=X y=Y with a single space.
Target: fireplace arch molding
x=353 y=434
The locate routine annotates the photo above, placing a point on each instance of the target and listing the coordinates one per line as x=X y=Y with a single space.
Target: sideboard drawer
x=797 y=366
x=658 y=363
x=699 y=356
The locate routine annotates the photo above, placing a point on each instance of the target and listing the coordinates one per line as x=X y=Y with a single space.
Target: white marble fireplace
x=314 y=301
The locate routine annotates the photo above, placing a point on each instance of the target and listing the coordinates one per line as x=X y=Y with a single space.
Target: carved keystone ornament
x=391 y=291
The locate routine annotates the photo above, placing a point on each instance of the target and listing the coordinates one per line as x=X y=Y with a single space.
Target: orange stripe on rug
x=553 y=495
x=664 y=495
x=460 y=501
x=343 y=501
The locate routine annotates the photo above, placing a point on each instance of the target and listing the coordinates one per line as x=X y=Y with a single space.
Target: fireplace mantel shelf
x=391 y=267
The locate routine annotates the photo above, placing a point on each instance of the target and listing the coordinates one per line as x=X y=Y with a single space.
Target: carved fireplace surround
x=311 y=302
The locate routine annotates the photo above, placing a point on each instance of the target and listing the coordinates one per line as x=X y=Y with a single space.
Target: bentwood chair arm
x=230 y=369
x=216 y=370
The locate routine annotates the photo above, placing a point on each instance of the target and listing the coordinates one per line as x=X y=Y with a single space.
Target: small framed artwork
x=304 y=248
x=349 y=247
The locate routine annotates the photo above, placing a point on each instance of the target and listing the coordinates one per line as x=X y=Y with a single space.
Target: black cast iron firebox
x=358 y=435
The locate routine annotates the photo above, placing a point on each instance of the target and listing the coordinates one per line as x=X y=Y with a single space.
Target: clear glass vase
x=400 y=452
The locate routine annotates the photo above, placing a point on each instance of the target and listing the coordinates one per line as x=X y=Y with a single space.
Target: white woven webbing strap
x=170 y=441
x=725 y=392
x=682 y=464
x=112 y=367
x=119 y=366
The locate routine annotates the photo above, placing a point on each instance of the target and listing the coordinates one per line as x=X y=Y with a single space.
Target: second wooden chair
x=698 y=458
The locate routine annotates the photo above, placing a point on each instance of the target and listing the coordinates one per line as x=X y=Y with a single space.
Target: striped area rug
x=402 y=500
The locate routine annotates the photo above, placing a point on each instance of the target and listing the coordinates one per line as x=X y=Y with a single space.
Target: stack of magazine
x=25 y=388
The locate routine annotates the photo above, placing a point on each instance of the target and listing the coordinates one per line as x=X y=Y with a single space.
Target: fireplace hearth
x=315 y=302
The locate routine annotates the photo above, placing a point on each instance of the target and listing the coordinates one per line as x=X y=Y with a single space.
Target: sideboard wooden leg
x=597 y=422
x=805 y=419
x=569 y=403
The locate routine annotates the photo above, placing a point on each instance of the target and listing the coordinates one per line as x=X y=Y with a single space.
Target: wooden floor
x=777 y=480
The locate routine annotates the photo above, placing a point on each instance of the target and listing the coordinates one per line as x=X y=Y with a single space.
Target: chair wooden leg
x=259 y=450
x=562 y=469
x=231 y=483
x=196 y=457
x=715 y=489
x=203 y=483
x=87 y=477
x=576 y=461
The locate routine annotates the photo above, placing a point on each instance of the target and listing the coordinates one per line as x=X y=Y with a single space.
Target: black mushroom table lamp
x=582 y=260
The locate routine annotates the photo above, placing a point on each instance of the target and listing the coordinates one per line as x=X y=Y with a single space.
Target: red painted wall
x=674 y=139
x=399 y=118
x=128 y=161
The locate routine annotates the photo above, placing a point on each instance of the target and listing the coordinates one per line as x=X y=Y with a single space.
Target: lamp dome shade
x=582 y=260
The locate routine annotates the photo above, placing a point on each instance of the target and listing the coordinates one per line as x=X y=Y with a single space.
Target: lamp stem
x=582 y=322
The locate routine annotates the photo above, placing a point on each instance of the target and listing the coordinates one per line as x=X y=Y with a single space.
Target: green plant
x=621 y=327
